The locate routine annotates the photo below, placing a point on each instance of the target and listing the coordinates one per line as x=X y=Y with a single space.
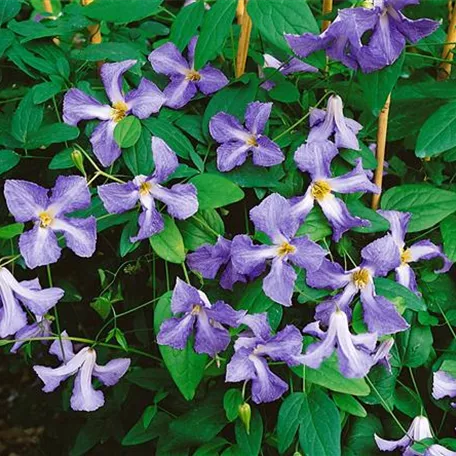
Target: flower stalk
x=244 y=39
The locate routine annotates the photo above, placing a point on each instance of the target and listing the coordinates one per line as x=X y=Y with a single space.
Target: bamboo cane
x=240 y=11
x=244 y=40
x=444 y=71
x=94 y=30
x=327 y=8
x=47 y=5
x=381 y=147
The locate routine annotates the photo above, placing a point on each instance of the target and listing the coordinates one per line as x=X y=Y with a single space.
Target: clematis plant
x=274 y=217
x=180 y=199
x=185 y=80
x=237 y=142
x=29 y=294
x=83 y=364
x=147 y=99
x=380 y=315
x=40 y=328
x=444 y=381
x=211 y=336
x=253 y=347
x=29 y=202
x=421 y=250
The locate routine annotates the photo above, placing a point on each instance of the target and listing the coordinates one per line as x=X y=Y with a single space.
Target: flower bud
x=297 y=453
x=245 y=413
x=78 y=160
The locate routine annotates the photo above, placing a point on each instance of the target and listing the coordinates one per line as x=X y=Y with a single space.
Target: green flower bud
x=245 y=413
x=78 y=160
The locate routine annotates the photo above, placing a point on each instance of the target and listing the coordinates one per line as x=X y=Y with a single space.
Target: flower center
x=193 y=75
x=285 y=249
x=252 y=141
x=119 y=111
x=406 y=256
x=196 y=309
x=320 y=189
x=45 y=219
x=144 y=188
x=361 y=278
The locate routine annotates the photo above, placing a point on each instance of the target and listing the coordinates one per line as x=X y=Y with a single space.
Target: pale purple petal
x=104 y=146
x=317 y=352
x=78 y=106
x=211 y=337
x=70 y=193
x=39 y=247
x=306 y=44
x=329 y=275
x=391 y=445
x=150 y=220
x=248 y=257
x=438 y=450
x=259 y=324
x=226 y=128
x=208 y=259
x=296 y=66
x=40 y=328
x=266 y=386
x=225 y=314
x=25 y=200
x=315 y=158
x=266 y=153
x=179 y=92
x=211 y=80
x=191 y=51
x=112 y=372
x=279 y=283
x=62 y=348
x=381 y=255
x=406 y=277
x=231 y=154
x=256 y=116
x=174 y=332
x=118 y=198
x=354 y=181
x=301 y=206
x=184 y=297
x=426 y=250
x=165 y=160
x=111 y=75
x=230 y=276
x=399 y=222
x=12 y=317
x=146 y=100
x=443 y=385
x=341 y=301
x=415 y=30
x=168 y=60
x=181 y=200
x=240 y=367
x=308 y=254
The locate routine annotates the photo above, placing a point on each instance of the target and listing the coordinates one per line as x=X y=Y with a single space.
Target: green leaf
x=448 y=230
x=289 y=419
x=428 y=205
x=438 y=133
x=9 y=9
x=215 y=191
x=216 y=26
x=320 y=432
x=286 y=92
x=250 y=443
x=273 y=18
x=11 y=231
x=377 y=222
x=129 y=230
x=168 y=244
x=349 y=404
x=26 y=119
x=113 y=51
x=115 y=11
x=360 y=439
x=172 y=136
x=127 y=131
x=231 y=402
x=211 y=448
x=415 y=345
x=46 y=90
x=253 y=298
x=407 y=401
x=138 y=434
x=396 y=292
x=6 y=40
x=185 y=366
x=52 y=134
x=62 y=160
x=138 y=158
x=315 y=226
x=186 y=24
x=8 y=160
x=102 y=306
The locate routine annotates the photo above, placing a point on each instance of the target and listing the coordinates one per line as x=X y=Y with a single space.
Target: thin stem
x=184 y=268
x=446 y=320
x=56 y=314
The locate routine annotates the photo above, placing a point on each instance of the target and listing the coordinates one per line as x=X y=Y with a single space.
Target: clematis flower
x=238 y=141
x=353 y=351
x=209 y=259
x=420 y=429
x=180 y=199
x=444 y=383
x=252 y=348
x=274 y=217
x=291 y=67
x=211 y=336
x=141 y=102
x=29 y=294
x=438 y=450
x=422 y=250
x=40 y=328
x=380 y=315
x=185 y=80
x=83 y=364
x=315 y=158
x=30 y=202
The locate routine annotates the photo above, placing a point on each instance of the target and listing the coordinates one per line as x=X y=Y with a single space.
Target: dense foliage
x=190 y=259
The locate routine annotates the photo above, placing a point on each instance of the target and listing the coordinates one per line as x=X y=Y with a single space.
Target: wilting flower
x=274 y=217
x=30 y=202
x=238 y=141
x=353 y=351
x=315 y=158
x=422 y=250
x=211 y=336
x=83 y=363
x=380 y=315
x=444 y=382
x=40 y=328
x=209 y=259
x=180 y=199
x=290 y=67
x=141 y=102
x=185 y=80
x=251 y=349
x=343 y=39
x=29 y=294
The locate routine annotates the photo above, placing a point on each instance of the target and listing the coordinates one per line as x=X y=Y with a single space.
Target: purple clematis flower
x=286 y=68
x=315 y=158
x=380 y=315
x=185 y=80
x=444 y=383
x=274 y=217
x=180 y=199
x=353 y=351
x=30 y=202
x=40 y=328
x=83 y=363
x=251 y=349
x=141 y=102
x=422 y=250
x=438 y=450
x=209 y=259
x=238 y=141
x=29 y=294
x=211 y=336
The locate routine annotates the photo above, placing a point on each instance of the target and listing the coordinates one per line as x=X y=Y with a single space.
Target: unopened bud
x=245 y=413
x=297 y=453
x=78 y=160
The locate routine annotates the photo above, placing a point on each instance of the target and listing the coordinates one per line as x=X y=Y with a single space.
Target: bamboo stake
x=47 y=5
x=381 y=147
x=240 y=11
x=327 y=8
x=244 y=40
x=444 y=71
x=94 y=30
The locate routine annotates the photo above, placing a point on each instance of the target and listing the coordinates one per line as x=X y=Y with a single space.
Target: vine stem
x=327 y=8
x=381 y=147
x=244 y=39
x=444 y=70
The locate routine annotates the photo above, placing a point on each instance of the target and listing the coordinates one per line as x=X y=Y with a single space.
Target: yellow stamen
x=45 y=219
x=285 y=249
x=320 y=189
x=361 y=278
x=196 y=309
x=406 y=256
x=144 y=188
x=193 y=75
x=118 y=111
x=252 y=141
